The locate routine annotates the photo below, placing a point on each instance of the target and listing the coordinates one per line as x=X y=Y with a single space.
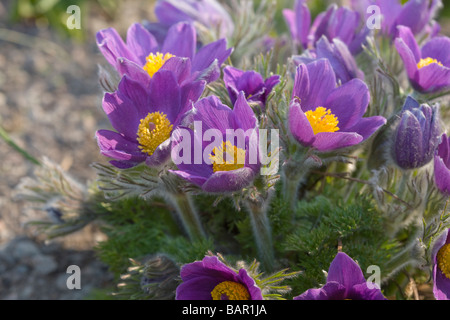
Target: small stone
x=44 y=265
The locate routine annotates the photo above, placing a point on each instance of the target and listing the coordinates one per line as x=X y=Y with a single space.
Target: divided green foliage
x=137 y=228
x=323 y=228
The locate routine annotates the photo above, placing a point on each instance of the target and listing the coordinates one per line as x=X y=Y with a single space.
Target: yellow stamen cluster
x=153 y=130
x=155 y=62
x=427 y=61
x=322 y=120
x=226 y=151
x=443 y=259
x=230 y=290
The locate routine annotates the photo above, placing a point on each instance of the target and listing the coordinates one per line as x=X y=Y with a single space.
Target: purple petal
x=134 y=71
x=213 y=114
x=137 y=94
x=407 y=36
x=289 y=17
x=210 y=52
x=165 y=94
x=199 y=288
x=302 y=22
x=348 y=102
x=330 y=291
x=122 y=114
x=181 y=40
x=141 y=42
x=327 y=141
x=229 y=181
x=346 y=271
x=244 y=117
x=363 y=292
x=414 y=15
x=114 y=145
x=438 y=48
x=441 y=175
x=250 y=284
x=432 y=78
x=112 y=46
x=408 y=57
x=368 y=126
x=313 y=83
x=299 y=125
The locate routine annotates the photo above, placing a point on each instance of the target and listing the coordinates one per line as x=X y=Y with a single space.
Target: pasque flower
x=441 y=266
x=254 y=86
x=427 y=67
x=442 y=165
x=215 y=171
x=144 y=116
x=209 y=13
x=414 y=14
x=143 y=51
x=211 y=279
x=327 y=117
x=416 y=136
x=336 y=22
x=345 y=281
x=339 y=56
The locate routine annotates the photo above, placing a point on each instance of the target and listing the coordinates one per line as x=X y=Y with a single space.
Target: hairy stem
x=188 y=215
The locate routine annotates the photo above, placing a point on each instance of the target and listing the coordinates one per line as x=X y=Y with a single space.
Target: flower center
x=322 y=120
x=226 y=151
x=443 y=260
x=153 y=130
x=230 y=290
x=155 y=62
x=427 y=61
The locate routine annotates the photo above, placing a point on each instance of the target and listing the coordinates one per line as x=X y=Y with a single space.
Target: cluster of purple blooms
x=164 y=71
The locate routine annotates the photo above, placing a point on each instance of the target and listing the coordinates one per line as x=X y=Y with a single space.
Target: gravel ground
x=50 y=105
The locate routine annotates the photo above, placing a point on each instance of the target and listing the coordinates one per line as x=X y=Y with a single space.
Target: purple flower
x=211 y=279
x=414 y=14
x=416 y=136
x=441 y=266
x=144 y=116
x=142 y=50
x=337 y=53
x=335 y=22
x=345 y=280
x=327 y=117
x=428 y=67
x=442 y=165
x=208 y=13
x=255 y=88
x=208 y=164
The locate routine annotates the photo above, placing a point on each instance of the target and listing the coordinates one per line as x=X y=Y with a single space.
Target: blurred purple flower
x=142 y=50
x=211 y=279
x=210 y=13
x=342 y=61
x=428 y=68
x=417 y=15
x=417 y=135
x=144 y=115
x=336 y=22
x=255 y=88
x=345 y=281
x=217 y=174
x=442 y=165
x=441 y=266
x=327 y=117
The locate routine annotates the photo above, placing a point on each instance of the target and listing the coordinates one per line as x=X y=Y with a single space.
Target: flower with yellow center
x=153 y=130
x=443 y=259
x=230 y=290
x=154 y=62
x=427 y=61
x=231 y=151
x=322 y=120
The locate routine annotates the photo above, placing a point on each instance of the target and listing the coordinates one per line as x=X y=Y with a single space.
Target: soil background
x=50 y=105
